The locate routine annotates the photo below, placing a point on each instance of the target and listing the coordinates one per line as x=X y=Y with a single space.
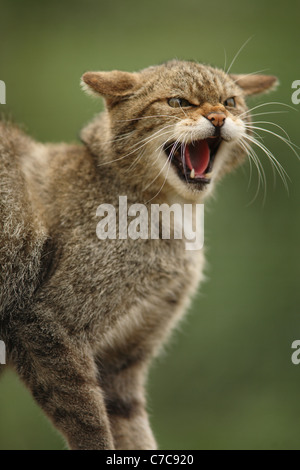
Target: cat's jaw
x=193 y=162
x=190 y=191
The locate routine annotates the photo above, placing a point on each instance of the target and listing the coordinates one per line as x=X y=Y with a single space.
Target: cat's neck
x=96 y=136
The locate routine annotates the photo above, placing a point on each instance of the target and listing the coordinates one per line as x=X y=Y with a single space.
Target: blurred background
x=226 y=380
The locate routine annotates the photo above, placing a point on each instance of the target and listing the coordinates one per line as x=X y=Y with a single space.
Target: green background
x=226 y=380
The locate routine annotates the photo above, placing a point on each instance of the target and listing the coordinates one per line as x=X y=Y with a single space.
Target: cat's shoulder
x=13 y=137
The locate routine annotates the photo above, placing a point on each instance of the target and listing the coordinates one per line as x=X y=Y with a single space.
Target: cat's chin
x=194 y=162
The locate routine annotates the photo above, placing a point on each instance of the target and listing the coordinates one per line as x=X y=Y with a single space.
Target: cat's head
x=178 y=126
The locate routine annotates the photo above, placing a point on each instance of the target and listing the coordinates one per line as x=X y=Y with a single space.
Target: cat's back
x=22 y=234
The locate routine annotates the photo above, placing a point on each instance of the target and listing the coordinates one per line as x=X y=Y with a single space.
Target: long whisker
x=181 y=108
x=120 y=137
x=146 y=141
x=281 y=171
x=266 y=104
x=269 y=112
x=275 y=167
x=134 y=163
x=149 y=138
x=225 y=59
x=271 y=123
x=148 y=117
x=183 y=147
x=160 y=147
x=251 y=73
x=166 y=177
x=169 y=158
x=238 y=53
x=288 y=142
x=260 y=170
x=250 y=171
x=168 y=162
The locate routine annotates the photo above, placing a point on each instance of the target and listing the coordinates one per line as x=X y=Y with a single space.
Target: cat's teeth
x=208 y=175
x=192 y=174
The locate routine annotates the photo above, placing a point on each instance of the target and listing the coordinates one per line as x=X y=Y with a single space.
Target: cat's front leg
x=131 y=431
x=62 y=378
x=126 y=408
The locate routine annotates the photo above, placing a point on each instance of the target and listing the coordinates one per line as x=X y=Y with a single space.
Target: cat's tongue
x=197 y=157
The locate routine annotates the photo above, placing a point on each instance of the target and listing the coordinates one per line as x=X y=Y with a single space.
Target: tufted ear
x=255 y=84
x=111 y=85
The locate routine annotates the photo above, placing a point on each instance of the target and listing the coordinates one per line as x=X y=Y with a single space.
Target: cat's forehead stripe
x=188 y=78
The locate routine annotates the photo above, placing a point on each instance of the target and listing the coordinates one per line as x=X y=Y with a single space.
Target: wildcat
x=82 y=318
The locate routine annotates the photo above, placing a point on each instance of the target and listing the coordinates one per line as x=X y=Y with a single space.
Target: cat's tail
x=22 y=236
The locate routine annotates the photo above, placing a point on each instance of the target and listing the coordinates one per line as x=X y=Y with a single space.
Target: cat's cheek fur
x=232 y=130
x=190 y=129
x=229 y=157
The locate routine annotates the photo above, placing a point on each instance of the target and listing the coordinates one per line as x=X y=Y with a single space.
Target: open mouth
x=194 y=162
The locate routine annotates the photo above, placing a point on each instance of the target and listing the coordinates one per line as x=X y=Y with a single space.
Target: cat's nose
x=217 y=119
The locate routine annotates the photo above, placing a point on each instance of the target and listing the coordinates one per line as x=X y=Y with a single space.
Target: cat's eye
x=230 y=102
x=178 y=103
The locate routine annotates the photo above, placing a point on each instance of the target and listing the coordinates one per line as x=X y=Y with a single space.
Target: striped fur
x=82 y=318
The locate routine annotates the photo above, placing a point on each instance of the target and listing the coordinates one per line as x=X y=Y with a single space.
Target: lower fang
x=192 y=174
x=208 y=175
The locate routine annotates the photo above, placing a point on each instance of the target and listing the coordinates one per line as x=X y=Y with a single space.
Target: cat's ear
x=255 y=84
x=111 y=85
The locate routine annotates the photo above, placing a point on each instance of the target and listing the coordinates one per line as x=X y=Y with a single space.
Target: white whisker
x=169 y=158
x=148 y=117
x=272 y=124
x=225 y=59
x=281 y=171
x=260 y=170
x=238 y=53
x=145 y=142
x=288 y=142
x=134 y=163
x=251 y=73
x=120 y=137
x=266 y=104
x=268 y=112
